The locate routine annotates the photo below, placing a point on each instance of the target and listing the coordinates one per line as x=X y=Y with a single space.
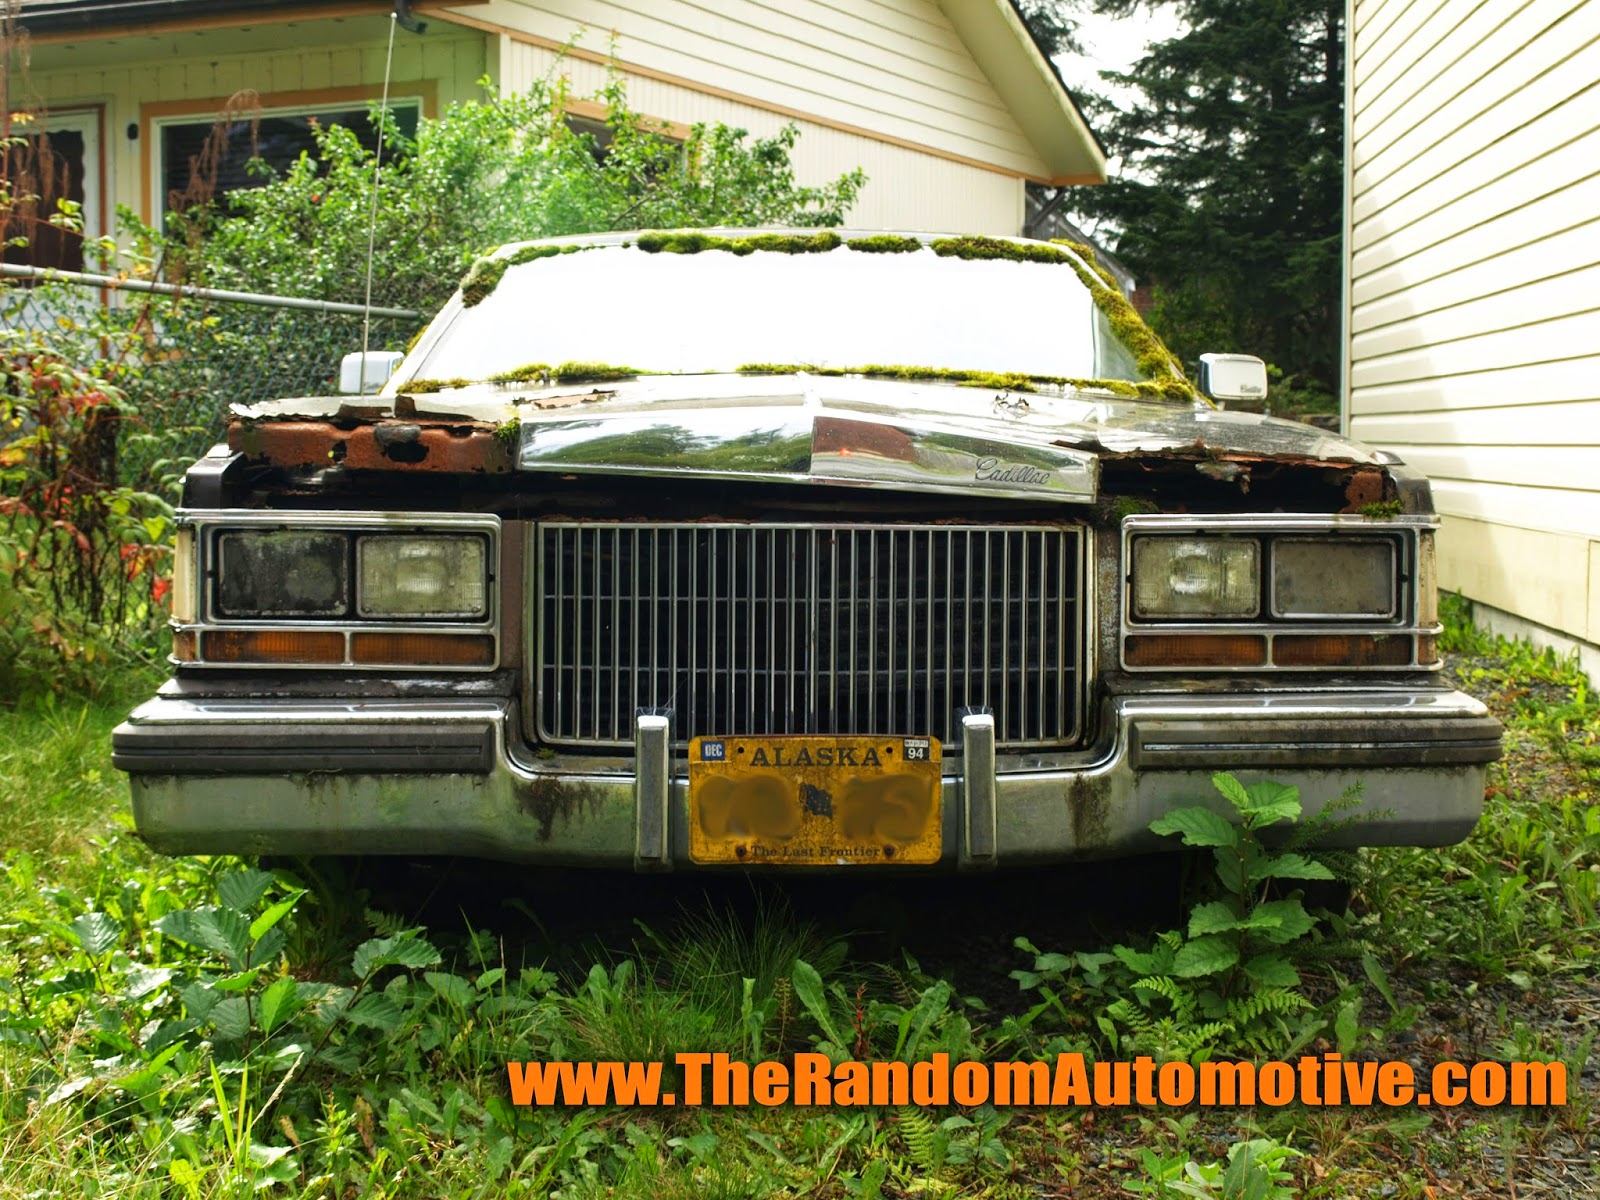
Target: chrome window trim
x=209 y=523
x=1407 y=530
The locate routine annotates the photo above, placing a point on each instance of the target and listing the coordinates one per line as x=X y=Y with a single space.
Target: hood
x=801 y=428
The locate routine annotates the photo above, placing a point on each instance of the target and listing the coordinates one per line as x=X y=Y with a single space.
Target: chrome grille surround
x=808 y=628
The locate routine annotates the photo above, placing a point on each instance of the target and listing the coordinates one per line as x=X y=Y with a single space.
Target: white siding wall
x=906 y=189
x=1474 y=295
x=125 y=74
x=896 y=67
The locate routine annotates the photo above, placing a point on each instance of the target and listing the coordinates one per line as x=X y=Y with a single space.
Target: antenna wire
x=372 y=219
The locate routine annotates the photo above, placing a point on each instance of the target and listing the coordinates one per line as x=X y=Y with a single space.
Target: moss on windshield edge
x=544 y=375
x=418 y=387
x=1164 y=377
x=537 y=373
x=485 y=274
x=1162 y=389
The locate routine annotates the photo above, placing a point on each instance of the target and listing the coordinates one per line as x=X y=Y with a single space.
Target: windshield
x=715 y=311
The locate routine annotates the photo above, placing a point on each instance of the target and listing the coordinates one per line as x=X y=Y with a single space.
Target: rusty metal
x=455 y=447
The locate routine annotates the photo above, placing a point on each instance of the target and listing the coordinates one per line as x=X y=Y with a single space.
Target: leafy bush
x=1226 y=983
x=484 y=173
x=83 y=554
x=1254 y=1170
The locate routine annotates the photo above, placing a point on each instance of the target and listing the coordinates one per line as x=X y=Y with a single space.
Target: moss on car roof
x=694 y=241
x=1164 y=376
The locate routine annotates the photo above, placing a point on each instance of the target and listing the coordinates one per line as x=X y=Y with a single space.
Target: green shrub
x=83 y=554
x=1224 y=984
x=506 y=168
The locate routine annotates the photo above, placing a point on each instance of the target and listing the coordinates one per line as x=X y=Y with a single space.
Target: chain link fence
x=182 y=355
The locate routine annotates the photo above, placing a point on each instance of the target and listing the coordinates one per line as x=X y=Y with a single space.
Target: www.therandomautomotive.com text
x=717 y=1080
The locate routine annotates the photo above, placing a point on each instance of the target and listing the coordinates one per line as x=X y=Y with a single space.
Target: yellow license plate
x=814 y=800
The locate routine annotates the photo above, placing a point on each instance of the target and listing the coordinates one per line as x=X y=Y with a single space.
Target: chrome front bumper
x=422 y=777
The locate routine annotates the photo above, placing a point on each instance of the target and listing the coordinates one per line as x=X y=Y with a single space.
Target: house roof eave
x=1031 y=87
x=52 y=21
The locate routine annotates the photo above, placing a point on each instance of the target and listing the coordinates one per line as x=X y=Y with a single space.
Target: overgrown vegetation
x=211 y=1027
x=1227 y=983
x=102 y=407
x=506 y=168
x=82 y=524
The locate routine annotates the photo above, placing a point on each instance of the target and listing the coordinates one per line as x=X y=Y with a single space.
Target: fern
x=925 y=1142
x=384 y=924
x=1242 y=1010
x=1179 y=995
x=1228 y=980
x=783 y=993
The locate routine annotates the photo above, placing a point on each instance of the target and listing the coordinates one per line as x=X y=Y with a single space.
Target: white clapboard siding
x=1485 y=38
x=1473 y=317
x=1541 y=258
x=1545 y=300
x=1561 y=382
x=896 y=67
x=1481 y=157
x=906 y=189
x=1416 y=20
x=289 y=63
x=1524 y=425
x=1435 y=248
x=1400 y=91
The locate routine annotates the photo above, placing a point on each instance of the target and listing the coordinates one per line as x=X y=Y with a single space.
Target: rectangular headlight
x=1333 y=577
x=1196 y=577
x=283 y=573
x=422 y=575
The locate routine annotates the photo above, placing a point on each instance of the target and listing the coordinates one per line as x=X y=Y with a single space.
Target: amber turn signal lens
x=183 y=645
x=1195 y=650
x=273 y=646
x=422 y=649
x=1341 y=650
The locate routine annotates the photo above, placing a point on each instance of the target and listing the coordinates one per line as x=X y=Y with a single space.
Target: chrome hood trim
x=801 y=429
x=852 y=430
x=930 y=437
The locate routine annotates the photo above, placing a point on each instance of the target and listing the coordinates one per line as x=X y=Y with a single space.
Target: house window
x=589 y=118
x=599 y=131
x=59 y=161
x=281 y=136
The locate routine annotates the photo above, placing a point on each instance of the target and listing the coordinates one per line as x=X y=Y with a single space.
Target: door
x=61 y=161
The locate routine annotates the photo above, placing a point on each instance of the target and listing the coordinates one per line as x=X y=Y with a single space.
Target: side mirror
x=358 y=379
x=1233 y=377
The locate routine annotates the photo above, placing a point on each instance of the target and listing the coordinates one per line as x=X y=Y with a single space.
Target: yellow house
x=948 y=105
x=1472 y=240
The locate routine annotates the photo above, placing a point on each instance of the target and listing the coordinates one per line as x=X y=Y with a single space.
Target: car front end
x=782 y=611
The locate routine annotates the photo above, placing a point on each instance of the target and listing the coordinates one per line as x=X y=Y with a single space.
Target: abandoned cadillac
x=792 y=549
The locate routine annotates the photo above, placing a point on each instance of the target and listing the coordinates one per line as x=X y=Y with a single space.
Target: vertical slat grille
x=774 y=629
